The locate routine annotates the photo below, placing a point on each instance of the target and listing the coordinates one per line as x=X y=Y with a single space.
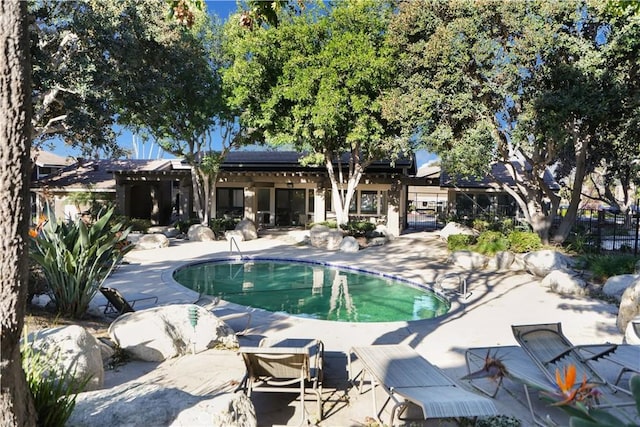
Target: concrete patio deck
x=498 y=301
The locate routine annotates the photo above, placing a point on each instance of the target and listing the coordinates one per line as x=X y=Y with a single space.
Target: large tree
x=508 y=82
x=616 y=180
x=314 y=82
x=97 y=64
x=16 y=403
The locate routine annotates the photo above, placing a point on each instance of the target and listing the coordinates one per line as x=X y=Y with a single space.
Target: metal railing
x=232 y=243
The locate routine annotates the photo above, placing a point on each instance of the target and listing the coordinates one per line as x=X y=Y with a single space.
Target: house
x=270 y=187
x=44 y=163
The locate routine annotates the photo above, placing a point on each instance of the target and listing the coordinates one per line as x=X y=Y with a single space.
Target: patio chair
x=285 y=366
x=550 y=349
x=117 y=304
x=626 y=357
x=409 y=379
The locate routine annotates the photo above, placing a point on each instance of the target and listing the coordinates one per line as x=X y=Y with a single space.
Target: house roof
x=97 y=174
x=290 y=161
x=498 y=173
x=48 y=159
x=100 y=175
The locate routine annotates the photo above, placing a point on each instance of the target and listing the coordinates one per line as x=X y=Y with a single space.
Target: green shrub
x=183 y=225
x=490 y=242
x=358 y=228
x=77 y=258
x=220 y=225
x=524 y=241
x=456 y=242
x=330 y=224
x=135 y=224
x=605 y=266
x=480 y=225
x=54 y=390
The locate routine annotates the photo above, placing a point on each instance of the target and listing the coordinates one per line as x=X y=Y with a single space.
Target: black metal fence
x=594 y=230
x=601 y=230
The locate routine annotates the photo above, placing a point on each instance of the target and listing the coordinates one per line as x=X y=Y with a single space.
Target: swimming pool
x=315 y=290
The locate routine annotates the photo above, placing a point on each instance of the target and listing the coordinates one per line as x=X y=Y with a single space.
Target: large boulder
x=349 y=244
x=236 y=235
x=318 y=236
x=248 y=229
x=629 y=306
x=501 y=261
x=541 y=263
x=200 y=233
x=143 y=404
x=167 y=230
x=152 y=241
x=160 y=333
x=468 y=260
x=616 y=285
x=76 y=351
x=455 y=228
x=565 y=282
x=334 y=239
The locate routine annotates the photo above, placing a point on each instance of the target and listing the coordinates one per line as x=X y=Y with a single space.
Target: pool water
x=313 y=290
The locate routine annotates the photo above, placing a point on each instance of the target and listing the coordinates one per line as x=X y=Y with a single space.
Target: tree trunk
x=16 y=403
x=342 y=200
x=581 y=145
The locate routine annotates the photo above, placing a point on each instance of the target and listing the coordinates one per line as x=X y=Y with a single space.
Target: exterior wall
x=390 y=204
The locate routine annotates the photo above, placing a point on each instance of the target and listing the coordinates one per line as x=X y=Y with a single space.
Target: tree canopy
x=97 y=64
x=520 y=83
x=314 y=82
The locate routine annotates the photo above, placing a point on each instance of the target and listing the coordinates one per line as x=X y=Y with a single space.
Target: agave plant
x=77 y=258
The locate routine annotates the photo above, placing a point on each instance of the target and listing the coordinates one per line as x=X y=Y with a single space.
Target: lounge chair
x=550 y=349
x=285 y=366
x=408 y=378
x=543 y=348
x=625 y=356
x=117 y=304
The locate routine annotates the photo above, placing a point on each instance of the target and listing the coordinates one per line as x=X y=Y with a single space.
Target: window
x=311 y=201
x=230 y=202
x=368 y=202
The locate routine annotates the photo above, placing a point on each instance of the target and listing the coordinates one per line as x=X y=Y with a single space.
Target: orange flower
x=33 y=233
x=566 y=382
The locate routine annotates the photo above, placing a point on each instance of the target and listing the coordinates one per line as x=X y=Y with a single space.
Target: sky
x=222 y=8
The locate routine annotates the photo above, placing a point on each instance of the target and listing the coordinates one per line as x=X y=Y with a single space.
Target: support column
x=250 y=203
x=319 y=212
x=396 y=198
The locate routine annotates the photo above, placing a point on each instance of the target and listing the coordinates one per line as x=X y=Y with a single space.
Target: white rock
x=349 y=244
x=236 y=235
x=455 y=228
x=467 y=260
x=334 y=239
x=248 y=229
x=200 y=233
x=160 y=333
x=318 y=236
x=616 y=285
x=501 y=261
x=565 y=282
x=152 y=241
x=541 y=263
x=629 y=306
x=140 y=404
x=78 y=352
